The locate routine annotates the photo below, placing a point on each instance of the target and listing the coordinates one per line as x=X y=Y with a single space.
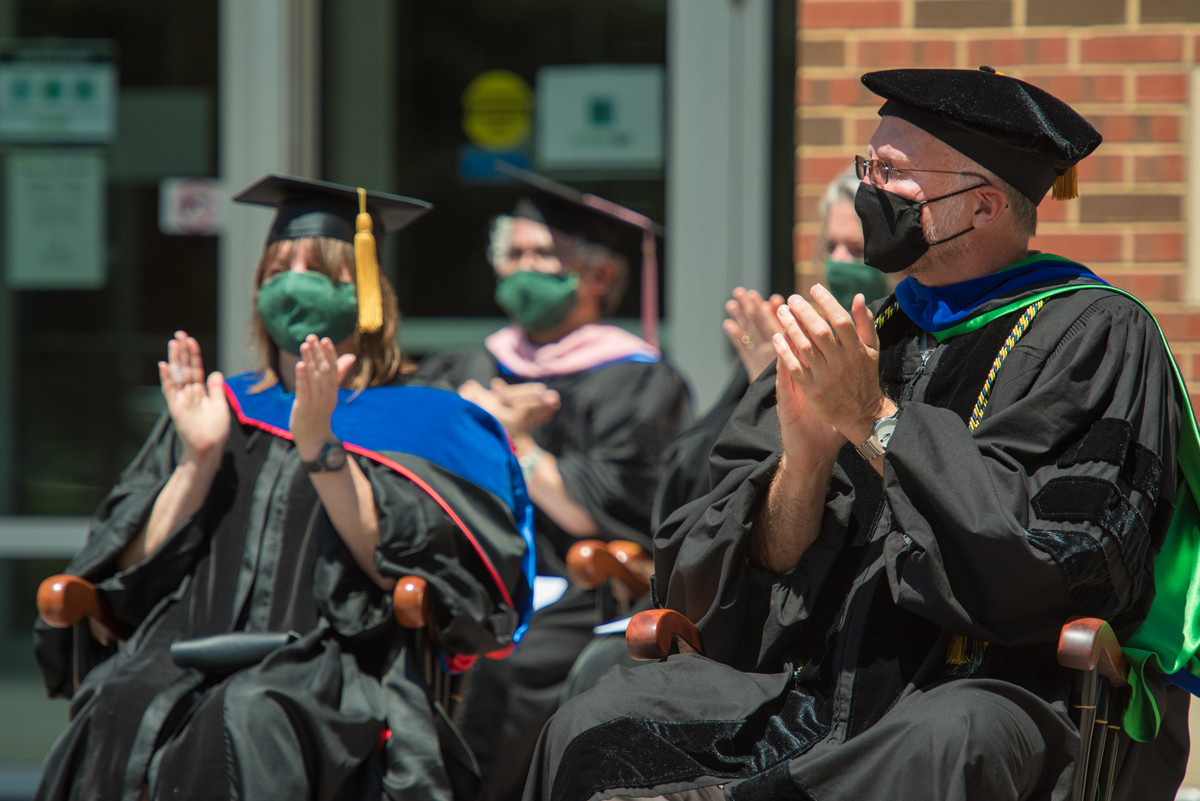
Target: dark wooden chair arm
x=410 y=602
x=591 y=562
x=64 y=601
x=656 y=633
x=1088 y=643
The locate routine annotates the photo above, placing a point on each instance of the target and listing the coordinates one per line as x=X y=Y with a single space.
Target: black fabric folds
x=1084 y=566
x=1094 y=500
x=608 y=438
x=986 y=534
x=262 y=557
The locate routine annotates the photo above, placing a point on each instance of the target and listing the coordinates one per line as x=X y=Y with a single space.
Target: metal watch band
x=529 y=462
x=871 y=449
x=876 y=444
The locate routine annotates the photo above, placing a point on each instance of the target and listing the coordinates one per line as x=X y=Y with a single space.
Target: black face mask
x=892 y=236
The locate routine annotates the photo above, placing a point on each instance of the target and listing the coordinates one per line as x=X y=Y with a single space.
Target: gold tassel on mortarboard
x=370 y=301
x=1067 y=185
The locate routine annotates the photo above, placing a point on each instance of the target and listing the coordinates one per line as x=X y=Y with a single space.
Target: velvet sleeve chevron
x=1113 y=484
x=1057 y=503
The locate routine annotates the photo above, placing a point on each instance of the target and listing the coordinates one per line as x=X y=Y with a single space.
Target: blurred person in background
x=273 y=511
x=839 y=249
x=590 y=408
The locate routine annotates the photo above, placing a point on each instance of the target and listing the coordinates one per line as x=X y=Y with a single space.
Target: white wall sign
x=602 y=117
x=190 y=206
x=55 y=209
x=70 y=101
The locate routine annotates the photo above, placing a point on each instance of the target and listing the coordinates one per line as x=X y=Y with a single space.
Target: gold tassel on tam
x=370 y=301
x=1067 y=185
x=956 y=654
x=964 y=655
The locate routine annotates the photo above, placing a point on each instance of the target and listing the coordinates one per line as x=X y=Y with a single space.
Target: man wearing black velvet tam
x=912 y=501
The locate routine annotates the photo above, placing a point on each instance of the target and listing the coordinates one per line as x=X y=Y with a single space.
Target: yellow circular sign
x=497 y=107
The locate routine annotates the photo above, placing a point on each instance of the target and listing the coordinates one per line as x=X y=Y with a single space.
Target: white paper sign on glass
x=191 y=206
x=55 y=219
x=600 y=117
x=67 y=102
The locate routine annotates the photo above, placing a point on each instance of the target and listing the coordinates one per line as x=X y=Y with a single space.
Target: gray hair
x=499 y=236
x=589 y=254
x=593 y=256
x=1024 y=211
x=841 y=189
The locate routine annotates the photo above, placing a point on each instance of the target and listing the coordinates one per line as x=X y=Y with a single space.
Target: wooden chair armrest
x=1087 y=643
x=410 y=602
x=591 y=562
x=656 y=633
x=63 y=601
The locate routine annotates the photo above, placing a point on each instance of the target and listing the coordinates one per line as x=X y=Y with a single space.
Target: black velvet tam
x=565 y=208
x=307 y=208
x=1025 y=135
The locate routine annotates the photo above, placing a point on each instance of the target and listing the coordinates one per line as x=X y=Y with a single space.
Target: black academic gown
x=310 y=720
x=608 y=438
x=838 y=679
x=686 y=472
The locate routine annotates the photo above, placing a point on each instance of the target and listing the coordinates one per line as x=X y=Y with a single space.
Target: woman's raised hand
x=751 y=324
x=198 y=408
x=319 y=373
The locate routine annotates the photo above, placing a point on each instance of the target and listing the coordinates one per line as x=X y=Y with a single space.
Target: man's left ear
x=599 y=279
x=991 y=204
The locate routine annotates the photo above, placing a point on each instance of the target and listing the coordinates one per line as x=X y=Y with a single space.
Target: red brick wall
x=1124 y=64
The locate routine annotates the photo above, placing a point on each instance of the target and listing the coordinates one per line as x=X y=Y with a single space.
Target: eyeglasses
x=878 y=171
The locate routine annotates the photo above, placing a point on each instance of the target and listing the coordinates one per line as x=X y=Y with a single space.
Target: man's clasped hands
x=827 y=379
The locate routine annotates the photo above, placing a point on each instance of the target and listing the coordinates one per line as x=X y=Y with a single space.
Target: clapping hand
x=319 y=373
x=197 y=408
x=751 y=324
x=520 y=408
x=832 y=356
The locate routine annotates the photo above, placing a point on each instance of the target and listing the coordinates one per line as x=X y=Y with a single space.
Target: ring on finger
x=747 y=341
x=177 y=374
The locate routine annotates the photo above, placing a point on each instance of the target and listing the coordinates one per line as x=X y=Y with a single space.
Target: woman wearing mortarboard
x=590 y=408
x=281 y=507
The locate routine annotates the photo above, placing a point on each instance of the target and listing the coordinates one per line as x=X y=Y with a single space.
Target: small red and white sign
x=190 y=206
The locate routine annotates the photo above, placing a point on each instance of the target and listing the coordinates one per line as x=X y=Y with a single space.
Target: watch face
x=884 y=430
x=334 y=456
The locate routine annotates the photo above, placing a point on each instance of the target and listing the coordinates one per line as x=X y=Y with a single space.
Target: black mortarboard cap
x=596 y=220
x=573 y=212
x=304 y=207
x=1022 y=133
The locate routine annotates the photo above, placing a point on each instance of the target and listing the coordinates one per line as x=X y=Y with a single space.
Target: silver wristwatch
x=529 y=462
x=877 y=443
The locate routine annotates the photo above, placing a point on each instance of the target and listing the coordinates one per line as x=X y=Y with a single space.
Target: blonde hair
x=380 y=360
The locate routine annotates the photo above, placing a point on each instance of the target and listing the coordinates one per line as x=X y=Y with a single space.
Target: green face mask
x=537 y=301
x=294 y=305
x=846 y=279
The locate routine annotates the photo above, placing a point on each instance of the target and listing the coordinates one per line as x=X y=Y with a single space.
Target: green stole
x=1167 y=641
